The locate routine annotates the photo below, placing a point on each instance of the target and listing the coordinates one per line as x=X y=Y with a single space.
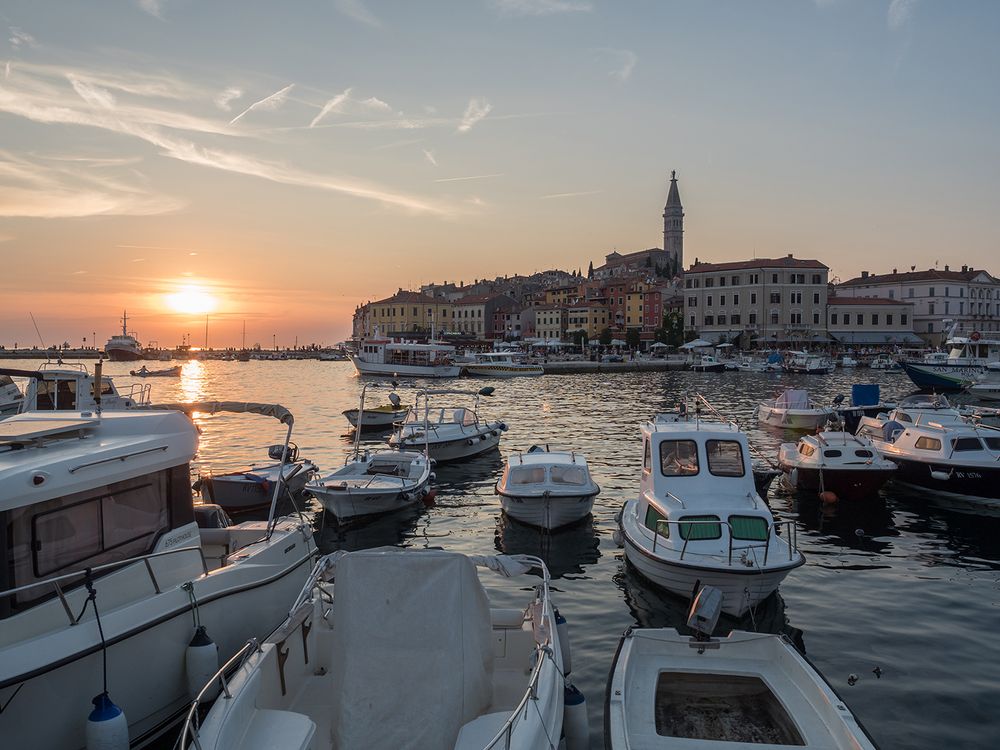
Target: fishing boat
x=170 y=372
x=794 y=410
x=547 y=488
x=58 y=386
x=884 y=362
x=123 y=347
x=698 y=517
x=401 y=650
x=239 y=491
x=388 y=357
x=11 y=397
x=836 y=464
x=707 y=363
x=847 y=361
x=804 y=363
x=743 y=690
x=450 y=433
x=967 y=360
x=113 y=592
x=378 y=417
x=500 y=365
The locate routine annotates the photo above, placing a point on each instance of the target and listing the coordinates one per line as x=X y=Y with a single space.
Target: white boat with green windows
x=698 y=517
x=500 y=365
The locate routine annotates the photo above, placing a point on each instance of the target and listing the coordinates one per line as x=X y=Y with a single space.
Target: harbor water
x=901 y=591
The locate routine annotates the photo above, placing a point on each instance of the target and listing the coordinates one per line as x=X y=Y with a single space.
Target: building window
x=902 y=319
x=930 y=328
x=888 y=319
x=947 y=303
x=735 y=281
x=910 y=290
x=734 y=319
x=736 y=299
x=722 y=281
x=753 y=298
x=816 y=319
x=775 y=298
x=774 y=318
x=892 y=294
x=860 y=319
x=709 y=301
x=692 y=321
x=833 y=319
x=930 y=308
x=709 y=283
x=796 y=298
x=874 y=319
x=753 y=319
x=932 y=292
x=692 y=301
x=755 y=278
x=815 y=298
x=817 y=278
x=774 y=278
x=722 y=300
x=710 y=320
x=947 y=291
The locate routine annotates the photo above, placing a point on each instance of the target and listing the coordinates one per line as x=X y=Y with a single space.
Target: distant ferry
x=500 y=365
x=968 y=360
x=123 y=347
x=405 y=359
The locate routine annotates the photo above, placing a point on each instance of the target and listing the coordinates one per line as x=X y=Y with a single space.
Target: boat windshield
x=527 y=475
x=575 y=475
x=725 y=458
x=678 y=458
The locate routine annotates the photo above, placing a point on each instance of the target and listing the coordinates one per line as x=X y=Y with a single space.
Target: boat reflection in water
x=387 y=530
x=473 y=476
x=653 y=607
x=865 y=525
x=565 y=551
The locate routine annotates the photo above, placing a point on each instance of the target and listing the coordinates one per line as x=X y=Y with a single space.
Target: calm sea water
x=903 y=582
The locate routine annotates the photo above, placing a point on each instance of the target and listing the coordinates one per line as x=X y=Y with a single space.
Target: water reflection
x=468 y=477
x=390 y=529
x=865 y=525
x=565 y=551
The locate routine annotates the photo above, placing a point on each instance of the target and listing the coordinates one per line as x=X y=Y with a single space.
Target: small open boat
x=170 y=372
x=452 y=433
x=251 y=489
x=667 y=690
x=378 y=417
x=794 y=410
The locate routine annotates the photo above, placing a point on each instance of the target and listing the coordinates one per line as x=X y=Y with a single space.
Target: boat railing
x=791 y=536
x=88 y=574
x=138 y=392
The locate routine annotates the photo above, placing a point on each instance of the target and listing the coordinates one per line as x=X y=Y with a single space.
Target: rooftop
x=931 y=274
x=406 y=297
x=786 y=262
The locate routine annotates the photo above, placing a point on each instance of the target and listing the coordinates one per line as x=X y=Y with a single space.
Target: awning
x=277 y=411
x=878 y=337
x=716 y=336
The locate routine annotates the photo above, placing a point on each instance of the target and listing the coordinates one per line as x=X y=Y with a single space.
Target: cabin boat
x=698 y=517
x=239 y=491
x=402 y=650
x=500 y=365
x=97 y=517
x=123 y=347
x=547 y=488
x=450 y=433
x=804 y=363
x=70 y=387
x=405 y=359
x=967 y=360
x=937 y=448
x=744 y=690
x=866 y=401
x=11 y=397
x=707 y=363
x=794 y=410
x=835 y=462
x=847 y=361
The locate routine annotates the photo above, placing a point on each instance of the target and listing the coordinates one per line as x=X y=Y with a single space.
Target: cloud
x=900 y=12
x=470 y=177
x=356 y=9
x=332 y=105
x=429 y=155
x=569 y=195
x=541 y=7
x=476 y=111
x=153 y=7
x=20 y=38
x=225 y=98
x=273 y=101
x=399 y=144
x=376 y=105
x=624 y=61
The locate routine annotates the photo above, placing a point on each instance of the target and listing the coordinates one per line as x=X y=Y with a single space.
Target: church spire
x=673 y=195
x=673 y=227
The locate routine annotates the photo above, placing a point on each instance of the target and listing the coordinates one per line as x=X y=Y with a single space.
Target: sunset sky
x=278 y=163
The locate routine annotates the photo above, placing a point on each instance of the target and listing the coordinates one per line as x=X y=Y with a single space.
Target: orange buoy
x=429 y=498
x=828 y=497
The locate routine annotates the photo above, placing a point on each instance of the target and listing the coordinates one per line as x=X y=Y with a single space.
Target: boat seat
x=478 y=732
x=507 y=618
x=269 y=728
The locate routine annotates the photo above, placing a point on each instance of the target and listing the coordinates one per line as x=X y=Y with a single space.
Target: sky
x=275 y=164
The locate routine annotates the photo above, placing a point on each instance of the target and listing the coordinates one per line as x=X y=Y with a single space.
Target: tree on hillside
x=590 y=270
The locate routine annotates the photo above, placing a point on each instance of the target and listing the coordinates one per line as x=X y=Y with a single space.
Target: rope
x=92 y=600
x=195 y=614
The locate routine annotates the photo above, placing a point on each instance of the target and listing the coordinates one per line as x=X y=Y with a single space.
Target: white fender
x=562 y=628
x=107 y=727
x=201 y=662
x=575 y=726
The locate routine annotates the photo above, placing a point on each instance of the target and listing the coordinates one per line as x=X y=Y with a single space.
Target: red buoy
x=828 y=497
x=429 y=498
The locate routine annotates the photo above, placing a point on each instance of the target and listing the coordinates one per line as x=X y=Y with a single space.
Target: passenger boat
x=500 y=365
x=239 y=491
x=451 y=433
x=378 y=417
x=170 y=372
x=112 y=582
x=743 y=690
x=937 y=448
x=387 y=357
x=547 y=488
x=698 y=517
x=123 y=347
x=794 y=410
x=967 y=361
x=56 y=386
x=403 y=650
x=836 y=462
x=804 y=363
x=11 y=397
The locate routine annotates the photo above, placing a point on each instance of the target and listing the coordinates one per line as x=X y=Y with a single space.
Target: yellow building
x=589 y=316
x=634 y=301
x=550 y=322
x=403 y=313
x=562 y=295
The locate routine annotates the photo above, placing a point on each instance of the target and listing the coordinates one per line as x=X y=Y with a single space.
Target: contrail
x=268 y=102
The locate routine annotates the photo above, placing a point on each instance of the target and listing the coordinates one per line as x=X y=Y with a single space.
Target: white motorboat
x=378 y=417
x=110 y=577
x=804 y=363
x=698 y=517
x=967 y=360
x=500 y=365
x=402 y=651
x=123 y=347
x=749 y=364
x=547 y=488
x=794 y=410
x=707 y=363
x=451 y=433
x=884 y=362
x=56 y=386
x=387 y=357
x=836 y=462
x=847 y=361
x=981 y=391
x=668 y=690
x=11 y=397
x=239 y=491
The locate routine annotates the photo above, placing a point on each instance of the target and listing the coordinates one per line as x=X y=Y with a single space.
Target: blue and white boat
x=967 y=360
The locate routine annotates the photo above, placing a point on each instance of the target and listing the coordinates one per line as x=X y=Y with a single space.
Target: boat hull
x=973 y=483
x=504 y=371
x=412 y=371
x=718 y=367
x=793 y=419
x=454 y=450
x=375 y=420
x=122 y=355
x=947 y=378
x=550 y=512
x=236 y=493
x=348 y=505
x=846 y=484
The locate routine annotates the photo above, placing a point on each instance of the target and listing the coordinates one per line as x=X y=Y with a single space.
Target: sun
x=191 y=300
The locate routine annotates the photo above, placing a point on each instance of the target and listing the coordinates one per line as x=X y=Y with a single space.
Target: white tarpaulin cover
x=793 y=399
x=413 y=646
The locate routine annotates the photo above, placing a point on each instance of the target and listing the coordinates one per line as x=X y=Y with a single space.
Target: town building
x=403 y=313
x=476 y=316
x=550 y=322
x=590 y=316
x=969 y=297
x=870 y=321
x=762 y=301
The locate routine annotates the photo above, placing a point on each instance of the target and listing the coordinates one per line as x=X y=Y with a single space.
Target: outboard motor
x=211 y=516
x=704 y=613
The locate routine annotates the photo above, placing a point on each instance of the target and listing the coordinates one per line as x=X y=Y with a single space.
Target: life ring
x=975 y=336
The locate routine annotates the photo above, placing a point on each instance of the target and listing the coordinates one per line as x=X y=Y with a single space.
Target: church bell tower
x=673 y=227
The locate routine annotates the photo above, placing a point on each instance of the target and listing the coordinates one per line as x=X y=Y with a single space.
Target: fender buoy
x=107 y=727
x=575 y=728
x=201 y=662
x=828 y=497
x=429 y=498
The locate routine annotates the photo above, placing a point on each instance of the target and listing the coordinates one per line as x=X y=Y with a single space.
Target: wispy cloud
x=900 y=13
x=332 y=105
x=398 y=144
x=225 y=98
x=476 y=111
x=357 y=10
x=541 y=7
x=470 y=177
x=624 y=61
x=273 y=101
x=20 y=38
x=153 y=7
x=570 y=195
x=429 y=155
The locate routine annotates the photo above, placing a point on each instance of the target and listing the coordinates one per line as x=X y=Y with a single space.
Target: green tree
x=671 y=330
x=579 y=338
x=590 y=270
x=632 y=338
x=605 y=337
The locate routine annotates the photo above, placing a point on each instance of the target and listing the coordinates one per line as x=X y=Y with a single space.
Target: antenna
x=39 y=333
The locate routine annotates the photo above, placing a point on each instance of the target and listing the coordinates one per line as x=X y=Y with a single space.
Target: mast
x=124 y=322
x=244 y=335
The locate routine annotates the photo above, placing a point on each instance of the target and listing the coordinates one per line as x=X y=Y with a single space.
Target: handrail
x=791 y=542
x=54 y=582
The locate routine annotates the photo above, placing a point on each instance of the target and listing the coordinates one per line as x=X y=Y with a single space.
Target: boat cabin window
x=993 y=443
x=647 y=456
x=748 y=528
x=678 y=458
x=863 y=453
x=695 y=528
x=928 y=443
x=725 y=458
x=527 y=475
x=832 y=453
x=652 y=516
x=53 y=395
x=806 y=450
x=966 y=444
x=903 y=417
x=568 y=475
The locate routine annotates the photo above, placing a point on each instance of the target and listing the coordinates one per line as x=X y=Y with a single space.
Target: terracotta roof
x=865 y=301
x=786 y=262
x=931 y=274
x=407 y=297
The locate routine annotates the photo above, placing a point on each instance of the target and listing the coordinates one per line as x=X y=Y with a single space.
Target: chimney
x=864 y=274
x=789 y=255
x=965 y=268
x=894 y=271
x=946 y=268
